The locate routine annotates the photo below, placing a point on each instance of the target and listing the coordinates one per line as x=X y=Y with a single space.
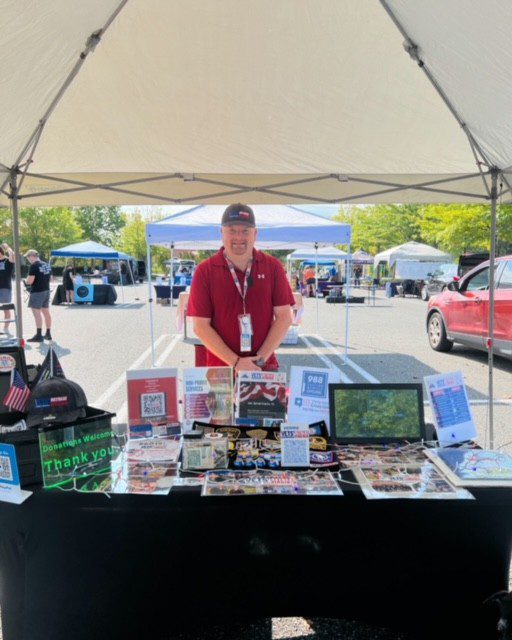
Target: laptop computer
x=376 y=413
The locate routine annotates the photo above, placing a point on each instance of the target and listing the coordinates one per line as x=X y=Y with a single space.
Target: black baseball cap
x=56 y=401
x=238 y=214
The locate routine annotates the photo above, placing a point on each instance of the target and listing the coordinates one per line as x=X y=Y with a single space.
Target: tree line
x=454 y=228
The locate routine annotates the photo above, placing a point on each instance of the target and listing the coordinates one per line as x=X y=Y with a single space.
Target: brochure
x=413 y=481
x=154 y=449
x=152 y=402
x=291 y=483
x=261 y=396
x=294 y=445
x=474 y=467
x=450 y=406
x=309 y=393
x=208 y=395
x=10 y=489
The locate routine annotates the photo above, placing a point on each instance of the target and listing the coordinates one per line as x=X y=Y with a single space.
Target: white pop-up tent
x=279 y=227
x=269 y=101
x=416 y=251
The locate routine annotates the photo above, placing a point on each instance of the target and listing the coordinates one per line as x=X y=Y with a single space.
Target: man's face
x=239 y=239
x=32 y=259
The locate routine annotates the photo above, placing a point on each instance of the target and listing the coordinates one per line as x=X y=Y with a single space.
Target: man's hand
x=247 y=364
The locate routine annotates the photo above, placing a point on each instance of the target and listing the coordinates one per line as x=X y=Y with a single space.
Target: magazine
x=152 y=402
x=474 y=467
x=208 y=395
x=291 y=483
x=261 y=395
x=411 y=481
x=368 y=456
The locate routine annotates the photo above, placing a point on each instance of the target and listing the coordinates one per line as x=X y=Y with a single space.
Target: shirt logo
x=261 y=276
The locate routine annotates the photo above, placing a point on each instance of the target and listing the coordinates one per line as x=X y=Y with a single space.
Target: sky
x=325 y=210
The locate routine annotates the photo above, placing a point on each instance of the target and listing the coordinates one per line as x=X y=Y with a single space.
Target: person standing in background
x=6 y=270
x=68 y=277
x=39 y=281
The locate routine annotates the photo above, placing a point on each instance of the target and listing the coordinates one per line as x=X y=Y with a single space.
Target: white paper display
x=451 y=411
x=309 y=394
x=294 y=445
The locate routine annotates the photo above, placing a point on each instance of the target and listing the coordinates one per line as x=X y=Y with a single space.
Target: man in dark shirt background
x=39 y=281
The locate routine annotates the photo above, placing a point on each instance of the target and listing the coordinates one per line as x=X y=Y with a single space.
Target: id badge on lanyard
x=245 y=324
x=244 y=319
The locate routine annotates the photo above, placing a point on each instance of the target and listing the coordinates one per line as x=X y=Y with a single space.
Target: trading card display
x=474 y=467
x=419 y=481
x=368 y=456
x=261 y=396
x=232 y=483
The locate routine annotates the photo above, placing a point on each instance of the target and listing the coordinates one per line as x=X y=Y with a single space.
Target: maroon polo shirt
x=213 y=295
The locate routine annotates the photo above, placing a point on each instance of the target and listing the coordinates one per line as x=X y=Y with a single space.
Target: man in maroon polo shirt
x=240 y=299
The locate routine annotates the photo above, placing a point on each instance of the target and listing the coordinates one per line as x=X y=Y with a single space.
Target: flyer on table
x=450 y=406
x=261 y=395
x=152 y=401
x=309 y=394
x=208 y=395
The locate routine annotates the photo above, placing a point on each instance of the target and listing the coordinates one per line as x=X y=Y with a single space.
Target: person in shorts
x=68 y=282
x=38 y=279
x=6 y=269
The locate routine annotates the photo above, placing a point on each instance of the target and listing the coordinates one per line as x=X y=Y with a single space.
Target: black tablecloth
x=89 y=566
x=164 y=291
x=102 y=294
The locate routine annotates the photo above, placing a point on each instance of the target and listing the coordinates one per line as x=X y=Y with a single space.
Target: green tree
x=45 y=229
x=375 y=228
x=5 y=225
x=100 y=224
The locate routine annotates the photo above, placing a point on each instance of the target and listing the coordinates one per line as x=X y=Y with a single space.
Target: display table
x=96 y=294
x=164 y=291
x=90 y=567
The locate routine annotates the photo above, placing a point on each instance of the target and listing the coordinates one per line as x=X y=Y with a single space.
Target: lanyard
x=235 y=278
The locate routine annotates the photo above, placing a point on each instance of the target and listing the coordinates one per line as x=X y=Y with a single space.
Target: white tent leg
x=16 y=246
x=316 y=288
x=348 y=271
x=150 y=302
x=492 y=256
x=171 y=274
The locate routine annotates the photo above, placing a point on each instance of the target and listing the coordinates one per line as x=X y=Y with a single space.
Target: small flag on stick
x=18 y=395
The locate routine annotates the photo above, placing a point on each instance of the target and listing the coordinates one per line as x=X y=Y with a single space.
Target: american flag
x=18 y=395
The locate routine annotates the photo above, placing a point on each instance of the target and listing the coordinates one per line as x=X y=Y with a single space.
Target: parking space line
x=117 y=383
x=362 y=372
x=325 y=359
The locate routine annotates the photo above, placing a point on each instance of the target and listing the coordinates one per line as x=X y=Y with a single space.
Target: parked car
x=438 y=280
x=461 y=312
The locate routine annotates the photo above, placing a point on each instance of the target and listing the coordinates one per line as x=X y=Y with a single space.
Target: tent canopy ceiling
x=90 y=250
x=412 y=251
x=324 y=253
x=279 y=227
x=205 y=100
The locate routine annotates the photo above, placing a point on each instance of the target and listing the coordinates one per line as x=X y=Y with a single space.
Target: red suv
x=461 y=313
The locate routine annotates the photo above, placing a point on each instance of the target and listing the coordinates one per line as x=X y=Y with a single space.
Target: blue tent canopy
x=92 y=250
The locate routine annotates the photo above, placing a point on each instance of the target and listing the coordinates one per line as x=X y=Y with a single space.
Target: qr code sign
x=5 y=468
x=152 y=405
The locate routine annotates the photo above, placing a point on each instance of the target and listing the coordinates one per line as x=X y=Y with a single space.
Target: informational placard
x=208 y=395
x=450 y=406
x=10 y=489
x=152 y=402
x=309 y=394
x=261 y=396
x=294 y=445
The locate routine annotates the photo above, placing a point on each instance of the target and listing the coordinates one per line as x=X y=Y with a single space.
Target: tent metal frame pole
x=316 y=288
x=16 y=246
x=171 y=274
x=150 y=302
x=490 y=341
x=348 y=270
x=120 y=277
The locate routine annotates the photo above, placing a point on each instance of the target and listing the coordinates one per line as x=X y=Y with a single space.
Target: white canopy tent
x=324 y=253
x=411 y=251
x=116 y=102
x=279 y=227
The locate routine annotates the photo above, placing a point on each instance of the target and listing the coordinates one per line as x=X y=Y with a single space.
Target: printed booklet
x=152 y=402
x=474 y=467
x=261 y=396
x=208 y=395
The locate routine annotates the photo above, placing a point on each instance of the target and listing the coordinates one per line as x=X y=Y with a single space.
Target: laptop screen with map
x=376 y=413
